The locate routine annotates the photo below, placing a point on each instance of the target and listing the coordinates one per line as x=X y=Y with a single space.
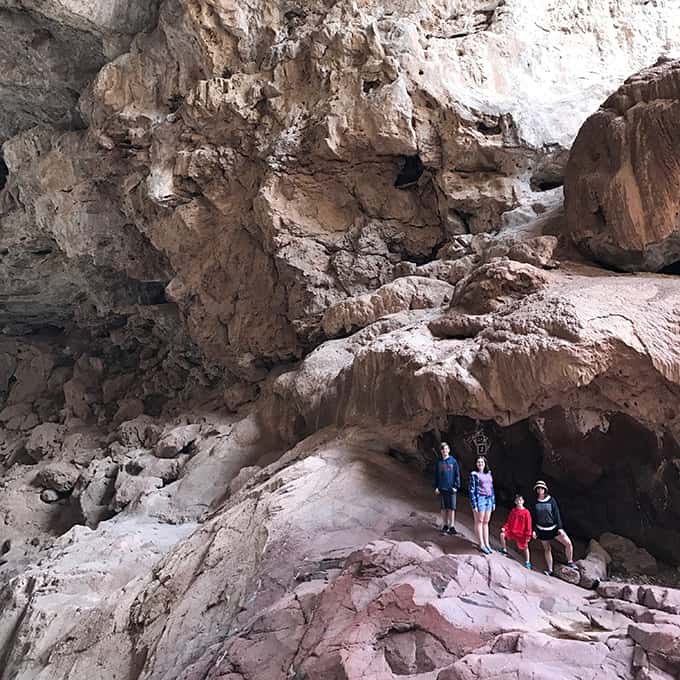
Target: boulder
x=493 y=285
x=141 y=431
x=93 y=492
x=594 y=566
x=408 y=292
x=45 y=441
x=49 y=496
x=626 y=557
x=660 y=638
x=176 y=441
x=621 y=183
x=61 y=477
x=130 y=488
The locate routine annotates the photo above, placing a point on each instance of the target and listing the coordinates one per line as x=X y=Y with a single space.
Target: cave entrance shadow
x=611 y=475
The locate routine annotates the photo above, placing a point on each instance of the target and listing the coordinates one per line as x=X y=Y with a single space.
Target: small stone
x=49 y=496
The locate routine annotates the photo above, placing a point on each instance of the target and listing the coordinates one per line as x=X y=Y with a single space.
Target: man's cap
x=540 y=485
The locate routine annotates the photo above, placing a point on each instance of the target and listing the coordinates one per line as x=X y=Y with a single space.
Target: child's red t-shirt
x=518 y=524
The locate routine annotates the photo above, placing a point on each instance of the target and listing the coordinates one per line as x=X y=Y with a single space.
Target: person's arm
x=456 y=475
x=532 y=514
x=528 y=530
x=556 y=511
x=507 y=522
x=493 y=495
x=473 y=490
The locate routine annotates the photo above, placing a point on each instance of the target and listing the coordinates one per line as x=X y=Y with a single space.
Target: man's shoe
x=452 y=531
x=547 y=572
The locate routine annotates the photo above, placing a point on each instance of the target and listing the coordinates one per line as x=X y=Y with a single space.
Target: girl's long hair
x=486 y=464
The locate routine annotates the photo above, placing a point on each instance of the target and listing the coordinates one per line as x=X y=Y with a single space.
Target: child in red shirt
x=518 y=529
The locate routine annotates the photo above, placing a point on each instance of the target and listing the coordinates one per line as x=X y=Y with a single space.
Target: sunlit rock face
x=257 y=260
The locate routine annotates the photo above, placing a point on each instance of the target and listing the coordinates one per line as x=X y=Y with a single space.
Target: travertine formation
x=258 y=259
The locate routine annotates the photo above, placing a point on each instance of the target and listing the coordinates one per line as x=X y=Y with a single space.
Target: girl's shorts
x=484 y=503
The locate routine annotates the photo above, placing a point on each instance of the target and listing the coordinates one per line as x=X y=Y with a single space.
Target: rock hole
x=133 y=468
x=410 y=173
x=41 y=252
x=47 y=331
x=4 y=173
x=545 y=184
x=153 y=293
x=489 y=128
x=370 y=85
x=174 y=102
x=154 y=403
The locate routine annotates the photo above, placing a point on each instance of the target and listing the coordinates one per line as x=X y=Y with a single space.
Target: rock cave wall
x=247 y=249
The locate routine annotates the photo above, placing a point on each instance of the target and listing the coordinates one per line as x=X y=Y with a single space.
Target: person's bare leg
x=547 y=551
x=451 y=514
x=478 y=528
x=568 y=546
x=504 y=545
x=527 y=555
x=442 y=514
x=486 y=518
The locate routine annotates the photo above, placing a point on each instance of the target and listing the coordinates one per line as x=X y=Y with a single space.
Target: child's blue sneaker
x=527 y=565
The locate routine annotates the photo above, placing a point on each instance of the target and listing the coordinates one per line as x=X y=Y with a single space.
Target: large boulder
x=622 y=181
x=626 y=557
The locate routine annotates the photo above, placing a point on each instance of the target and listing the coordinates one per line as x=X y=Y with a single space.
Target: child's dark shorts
x=546 y=535
x=447 y=500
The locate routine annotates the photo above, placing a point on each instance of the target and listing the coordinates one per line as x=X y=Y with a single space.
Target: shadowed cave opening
x=4 y=173
x=672 y=268
x=614 y=475
x=410 y=173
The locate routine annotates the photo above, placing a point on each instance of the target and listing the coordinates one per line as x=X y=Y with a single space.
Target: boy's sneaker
x=527 y=565
x=503 y=551
x=572 y=565
x=547 y=572
x=452 y=531
x=444 y=529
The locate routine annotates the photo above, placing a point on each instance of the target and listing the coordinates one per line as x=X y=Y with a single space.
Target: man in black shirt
x=548 y=526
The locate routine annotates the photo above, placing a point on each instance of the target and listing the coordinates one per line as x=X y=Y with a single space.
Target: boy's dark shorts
x=447 y=500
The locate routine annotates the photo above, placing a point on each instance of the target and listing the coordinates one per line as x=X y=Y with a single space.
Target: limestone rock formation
x=256 y=261
x=621 y=186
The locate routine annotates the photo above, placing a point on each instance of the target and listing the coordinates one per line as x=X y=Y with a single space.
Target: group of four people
x=520 y=527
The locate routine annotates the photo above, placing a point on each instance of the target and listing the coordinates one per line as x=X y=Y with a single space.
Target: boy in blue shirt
x=446 y=485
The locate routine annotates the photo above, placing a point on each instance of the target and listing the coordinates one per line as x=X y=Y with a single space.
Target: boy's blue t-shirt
x=446 y=474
